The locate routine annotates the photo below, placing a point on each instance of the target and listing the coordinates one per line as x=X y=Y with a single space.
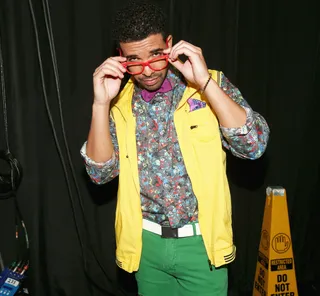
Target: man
x=164 y=134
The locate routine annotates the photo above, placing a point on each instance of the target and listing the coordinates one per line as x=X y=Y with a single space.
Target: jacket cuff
x=242 y=130
x=91 y=163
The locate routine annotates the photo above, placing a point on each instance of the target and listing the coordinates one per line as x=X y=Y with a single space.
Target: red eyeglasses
x=156 y=64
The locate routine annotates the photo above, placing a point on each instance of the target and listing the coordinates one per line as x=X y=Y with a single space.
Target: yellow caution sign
x=275 y=273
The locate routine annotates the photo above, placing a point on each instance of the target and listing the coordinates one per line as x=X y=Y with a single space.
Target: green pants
x=178 y=267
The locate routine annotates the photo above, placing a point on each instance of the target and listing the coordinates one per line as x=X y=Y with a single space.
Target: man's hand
x=107 y=80
x=194 y=69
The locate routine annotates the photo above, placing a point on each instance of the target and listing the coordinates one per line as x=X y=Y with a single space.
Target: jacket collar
x=124 y=99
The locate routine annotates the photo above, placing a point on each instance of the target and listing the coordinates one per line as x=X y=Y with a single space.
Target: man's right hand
x=107 y=80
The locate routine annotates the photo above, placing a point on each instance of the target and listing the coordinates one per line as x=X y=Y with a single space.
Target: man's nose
x=147 y=71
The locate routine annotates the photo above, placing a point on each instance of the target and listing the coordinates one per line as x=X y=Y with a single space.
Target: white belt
x=184 y=231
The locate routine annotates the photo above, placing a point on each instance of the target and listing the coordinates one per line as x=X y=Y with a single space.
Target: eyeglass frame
x=147 y=63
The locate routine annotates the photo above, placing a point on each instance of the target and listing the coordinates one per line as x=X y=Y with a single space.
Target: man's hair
x=138 y=20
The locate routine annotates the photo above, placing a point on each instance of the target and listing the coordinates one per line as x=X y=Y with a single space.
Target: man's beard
x=155 y=87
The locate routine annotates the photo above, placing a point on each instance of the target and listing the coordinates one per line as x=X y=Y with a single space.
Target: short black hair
x=138 y=20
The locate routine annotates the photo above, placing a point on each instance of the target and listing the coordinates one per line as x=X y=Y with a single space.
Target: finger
x=109 y=72
x=170 y=49
x=184 y=44
x=118 y=58
x=114 y=69
x=167 y=50
x=99 y=72
x=113 y=60
x=103 y=74
x=117 y=67
x=182 y=50
x=117 y=64
x=188 y=44
x=180 y=43
x=193 y=56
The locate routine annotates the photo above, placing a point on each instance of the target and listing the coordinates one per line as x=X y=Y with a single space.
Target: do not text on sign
x=275 y=273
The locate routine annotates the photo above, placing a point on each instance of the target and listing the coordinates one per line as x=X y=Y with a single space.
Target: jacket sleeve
x=250 y=140
x=103 y=172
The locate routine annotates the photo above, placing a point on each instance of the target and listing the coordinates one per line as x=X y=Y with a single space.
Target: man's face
x=145 y=50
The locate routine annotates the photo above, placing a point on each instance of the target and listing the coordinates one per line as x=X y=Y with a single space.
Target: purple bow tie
x=148 y=95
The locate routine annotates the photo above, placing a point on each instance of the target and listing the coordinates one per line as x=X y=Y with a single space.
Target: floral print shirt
x=166 y=192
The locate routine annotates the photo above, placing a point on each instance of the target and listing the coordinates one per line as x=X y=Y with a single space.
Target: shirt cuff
x=242 y=130
x=89 y=162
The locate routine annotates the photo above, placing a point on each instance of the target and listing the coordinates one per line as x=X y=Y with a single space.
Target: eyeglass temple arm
x=120 y=51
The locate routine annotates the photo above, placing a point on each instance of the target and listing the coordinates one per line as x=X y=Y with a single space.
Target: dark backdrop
x=269 y=49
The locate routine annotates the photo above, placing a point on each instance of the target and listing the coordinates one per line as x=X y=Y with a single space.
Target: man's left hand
x=194 y=69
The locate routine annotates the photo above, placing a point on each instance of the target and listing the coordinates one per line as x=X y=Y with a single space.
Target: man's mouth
x=150 y=81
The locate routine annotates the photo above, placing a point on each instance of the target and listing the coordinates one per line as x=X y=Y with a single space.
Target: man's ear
x=169 y=41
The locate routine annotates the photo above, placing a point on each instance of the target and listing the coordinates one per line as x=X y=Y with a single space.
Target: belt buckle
x=168 y=232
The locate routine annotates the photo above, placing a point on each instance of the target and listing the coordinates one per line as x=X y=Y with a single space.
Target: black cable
x=55 y=67
x=19 y=219
x=1 y=263
x=4 y=99
x=51 y=119
x=15 y=173
x=56 y=75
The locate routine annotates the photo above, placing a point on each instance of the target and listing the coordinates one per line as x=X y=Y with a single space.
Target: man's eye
x=156 y=54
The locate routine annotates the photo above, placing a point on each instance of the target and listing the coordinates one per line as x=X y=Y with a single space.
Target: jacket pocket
x=203 y=125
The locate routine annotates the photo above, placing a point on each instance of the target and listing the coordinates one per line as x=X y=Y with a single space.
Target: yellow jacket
x=205 y=162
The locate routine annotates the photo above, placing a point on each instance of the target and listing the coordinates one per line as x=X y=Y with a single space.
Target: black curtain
x=269 y=49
